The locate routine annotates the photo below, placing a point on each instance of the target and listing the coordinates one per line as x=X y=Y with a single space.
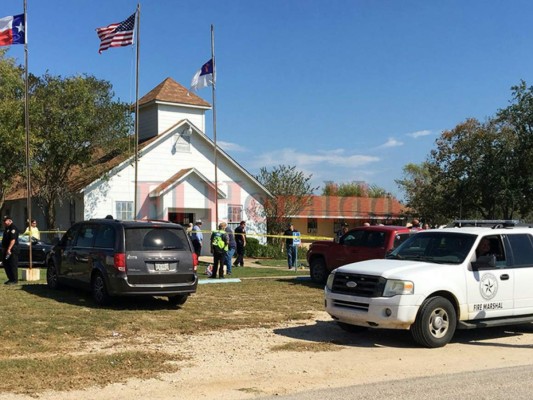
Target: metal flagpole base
x=31 y=274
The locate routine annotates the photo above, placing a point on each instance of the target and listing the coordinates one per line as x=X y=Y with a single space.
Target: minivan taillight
x=195 y=261
x=120 y=262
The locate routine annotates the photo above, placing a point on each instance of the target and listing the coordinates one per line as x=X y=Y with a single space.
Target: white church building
x=175 y=174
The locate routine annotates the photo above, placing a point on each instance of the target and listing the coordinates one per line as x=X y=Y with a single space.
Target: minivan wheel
x=178 y=300
x=99 y=290
x=318 y=271
x=52 y=279
x=435 y=323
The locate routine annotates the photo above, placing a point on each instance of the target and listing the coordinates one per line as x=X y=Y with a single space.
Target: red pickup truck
x=358 y=244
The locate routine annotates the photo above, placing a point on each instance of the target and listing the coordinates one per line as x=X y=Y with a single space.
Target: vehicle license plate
x=162 y=267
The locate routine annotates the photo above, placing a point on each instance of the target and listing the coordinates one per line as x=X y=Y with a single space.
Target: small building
x=175 y=174
x=324 y=216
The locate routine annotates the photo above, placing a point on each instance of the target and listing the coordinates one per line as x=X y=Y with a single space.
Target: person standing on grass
x=240 y=238
x=232 y=245
x=197 y=237
x=10 y=251
x=219 y=247
x=290 y=246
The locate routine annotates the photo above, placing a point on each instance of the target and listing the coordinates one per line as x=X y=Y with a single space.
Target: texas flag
x=12 y=30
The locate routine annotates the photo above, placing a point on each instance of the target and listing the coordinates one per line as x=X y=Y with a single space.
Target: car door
x=359 y=245
x=490 y=289
x=64 y=255
x=521 y=250
x=24 y=250
x=80 y=254
x=38 y=251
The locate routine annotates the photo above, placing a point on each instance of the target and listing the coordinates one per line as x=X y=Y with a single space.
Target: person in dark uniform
x=10 y=251
x=290 y=247
x=240 y=238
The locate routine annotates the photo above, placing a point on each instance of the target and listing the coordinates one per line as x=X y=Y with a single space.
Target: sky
x=345 y=90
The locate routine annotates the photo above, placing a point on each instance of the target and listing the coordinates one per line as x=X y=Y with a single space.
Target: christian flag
x=12 y=30
x=116 y=35
x=203 y=77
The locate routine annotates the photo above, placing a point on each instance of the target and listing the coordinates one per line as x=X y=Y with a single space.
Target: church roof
x=180 y=176
x=172 y=92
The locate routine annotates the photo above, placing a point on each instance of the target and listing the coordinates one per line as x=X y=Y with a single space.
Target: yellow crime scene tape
x=302 y=237
x=249 y=234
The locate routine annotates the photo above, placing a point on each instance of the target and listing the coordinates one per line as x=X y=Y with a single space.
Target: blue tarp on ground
x=218 y=280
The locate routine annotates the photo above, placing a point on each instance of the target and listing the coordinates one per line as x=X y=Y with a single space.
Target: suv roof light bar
x=493 y=223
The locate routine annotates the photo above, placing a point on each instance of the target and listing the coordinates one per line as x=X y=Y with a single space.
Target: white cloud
x=322 y=159
x=417 y=134
x=391 y=143
x=231 y=147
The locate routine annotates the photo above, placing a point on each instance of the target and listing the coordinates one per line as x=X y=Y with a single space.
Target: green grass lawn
x=45 y=332
x=259 y=269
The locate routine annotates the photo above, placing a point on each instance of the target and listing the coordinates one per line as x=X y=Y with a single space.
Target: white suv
x=435 y=283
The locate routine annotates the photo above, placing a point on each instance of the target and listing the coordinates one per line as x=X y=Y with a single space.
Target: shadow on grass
x=330 y=332
x=79 y=297
x=301 y=281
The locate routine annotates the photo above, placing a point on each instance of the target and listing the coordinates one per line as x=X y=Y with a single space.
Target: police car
x=438 y=281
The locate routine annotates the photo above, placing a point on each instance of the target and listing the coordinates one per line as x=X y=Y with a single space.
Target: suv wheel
x=178 y=300
x=99 y=290
x=435 y=323
x=51 y=277
x=318 y=270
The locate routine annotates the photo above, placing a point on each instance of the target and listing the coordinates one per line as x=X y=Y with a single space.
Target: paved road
x=514 y=383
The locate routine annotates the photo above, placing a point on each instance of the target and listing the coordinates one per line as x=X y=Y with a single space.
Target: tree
x=291 y=190
x=353 y=189
x=12 y=134
x=479 y=170
x=468 y=175
x=473 y=163
x=376 y=191
x=72 y=119
x=517 y=120
x=421 y=193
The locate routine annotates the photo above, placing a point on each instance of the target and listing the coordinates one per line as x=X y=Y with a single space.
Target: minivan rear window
x=139 y=239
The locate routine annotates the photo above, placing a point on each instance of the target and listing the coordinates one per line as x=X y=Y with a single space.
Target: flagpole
x=213 y=91
x=136 y=124
x=27 y=128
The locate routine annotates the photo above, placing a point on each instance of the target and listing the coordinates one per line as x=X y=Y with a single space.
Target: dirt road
x=257 y=362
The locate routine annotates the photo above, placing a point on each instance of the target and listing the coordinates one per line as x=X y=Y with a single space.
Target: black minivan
x=110 y=257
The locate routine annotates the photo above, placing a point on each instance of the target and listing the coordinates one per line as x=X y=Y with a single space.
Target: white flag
x=203 y=77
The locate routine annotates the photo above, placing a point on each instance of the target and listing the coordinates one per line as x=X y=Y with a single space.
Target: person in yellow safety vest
x=219 y=247
x=32 y=230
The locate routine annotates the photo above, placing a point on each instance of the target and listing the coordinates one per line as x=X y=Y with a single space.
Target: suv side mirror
x=484 y=262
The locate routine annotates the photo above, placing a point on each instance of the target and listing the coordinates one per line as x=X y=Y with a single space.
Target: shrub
x=255 y=249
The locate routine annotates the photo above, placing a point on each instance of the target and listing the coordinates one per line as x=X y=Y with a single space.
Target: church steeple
x=165 y=105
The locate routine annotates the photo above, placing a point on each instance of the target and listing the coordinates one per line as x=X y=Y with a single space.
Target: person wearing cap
x=197 y=237
x=219 y=248
x=10 y=251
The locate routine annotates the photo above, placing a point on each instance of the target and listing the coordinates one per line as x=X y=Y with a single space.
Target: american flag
x=116 y=35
